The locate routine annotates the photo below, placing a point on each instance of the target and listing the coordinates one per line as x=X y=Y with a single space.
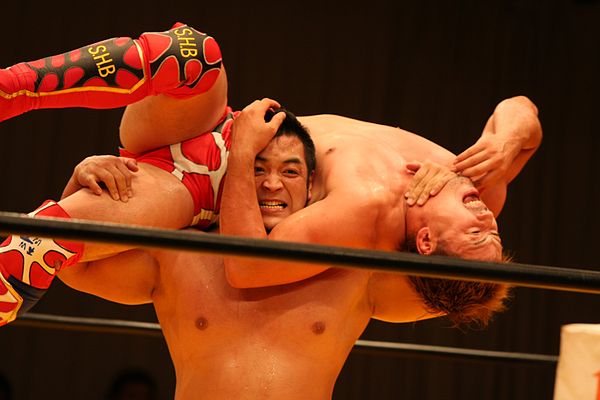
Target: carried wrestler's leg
x=28 y=265
x=180 y=63
x=161 y=200
x=158 y=121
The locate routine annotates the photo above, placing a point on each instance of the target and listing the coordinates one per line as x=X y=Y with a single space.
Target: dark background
x=436 y=68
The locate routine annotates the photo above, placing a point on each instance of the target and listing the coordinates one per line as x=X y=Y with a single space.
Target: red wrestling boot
x=28 y=265
x=180 y=62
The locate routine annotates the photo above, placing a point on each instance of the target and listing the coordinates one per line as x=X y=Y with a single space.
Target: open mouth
x=472 y=201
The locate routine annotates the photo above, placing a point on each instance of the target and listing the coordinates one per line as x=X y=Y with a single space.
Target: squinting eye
x=258 y=170
x=291 y=172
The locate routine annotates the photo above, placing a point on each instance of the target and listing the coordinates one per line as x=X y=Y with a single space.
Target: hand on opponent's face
x=429 y=178
x=114 y=173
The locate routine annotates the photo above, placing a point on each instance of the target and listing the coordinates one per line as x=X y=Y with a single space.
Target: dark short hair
x=292 y=127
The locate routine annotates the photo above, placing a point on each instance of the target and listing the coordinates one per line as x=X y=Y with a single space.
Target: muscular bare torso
x=363 y=160
x=283 y=342
x=376 y=151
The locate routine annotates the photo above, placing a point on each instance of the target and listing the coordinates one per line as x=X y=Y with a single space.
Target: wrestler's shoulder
x=328 y=122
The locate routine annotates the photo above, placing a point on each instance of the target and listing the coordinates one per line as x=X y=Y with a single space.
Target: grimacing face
x=462 y=224
x=282 y=181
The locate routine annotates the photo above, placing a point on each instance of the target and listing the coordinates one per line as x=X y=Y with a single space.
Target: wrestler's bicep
x=128 y=278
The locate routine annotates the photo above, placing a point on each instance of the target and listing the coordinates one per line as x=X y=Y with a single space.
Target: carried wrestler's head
x=284 y=170
x=457 y=223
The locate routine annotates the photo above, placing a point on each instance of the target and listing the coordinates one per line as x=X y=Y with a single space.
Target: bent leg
x=160 y=200
x=162 y=120
x=28 y=264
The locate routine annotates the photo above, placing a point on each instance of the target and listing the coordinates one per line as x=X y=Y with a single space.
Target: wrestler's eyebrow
x=293 y=160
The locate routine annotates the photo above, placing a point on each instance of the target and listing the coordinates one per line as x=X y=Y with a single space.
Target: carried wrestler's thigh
x=158 y=121
x=159 y=200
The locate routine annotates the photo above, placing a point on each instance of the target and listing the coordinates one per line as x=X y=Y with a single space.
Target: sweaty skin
x=358 y=193
x=270 y=342
x=266 y=343
x=284 y=342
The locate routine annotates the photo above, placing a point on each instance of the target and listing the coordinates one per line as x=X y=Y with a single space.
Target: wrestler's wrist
x=241 y=155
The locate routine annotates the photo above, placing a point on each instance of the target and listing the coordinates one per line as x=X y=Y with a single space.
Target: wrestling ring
x=526 y=275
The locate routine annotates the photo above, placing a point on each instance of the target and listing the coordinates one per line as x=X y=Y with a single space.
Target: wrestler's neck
x=415 y=220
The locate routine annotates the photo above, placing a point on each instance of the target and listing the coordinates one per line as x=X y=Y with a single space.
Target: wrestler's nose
x=272 y=182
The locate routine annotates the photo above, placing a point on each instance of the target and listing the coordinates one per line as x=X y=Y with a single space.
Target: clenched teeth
x=272 y=204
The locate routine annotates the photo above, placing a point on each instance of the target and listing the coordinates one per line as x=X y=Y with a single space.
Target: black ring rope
x=370 y=347
x=538 y=276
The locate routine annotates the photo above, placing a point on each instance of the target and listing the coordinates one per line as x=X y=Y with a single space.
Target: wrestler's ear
x=425 y=243
x=309 y=189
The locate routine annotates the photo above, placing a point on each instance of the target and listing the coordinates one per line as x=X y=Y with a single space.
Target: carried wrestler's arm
x=318 y=223
x=510 y=137
x=178 y=73
x=127 y=278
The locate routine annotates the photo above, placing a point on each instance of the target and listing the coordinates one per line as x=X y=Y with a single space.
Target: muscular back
x=374 y=142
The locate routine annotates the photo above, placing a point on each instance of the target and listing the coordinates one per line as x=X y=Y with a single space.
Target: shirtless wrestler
x=158 y=120
x=283 y=342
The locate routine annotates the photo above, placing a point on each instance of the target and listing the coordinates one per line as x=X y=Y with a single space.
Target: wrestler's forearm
x=517 y=119
x=241 y=216
x=240 y=212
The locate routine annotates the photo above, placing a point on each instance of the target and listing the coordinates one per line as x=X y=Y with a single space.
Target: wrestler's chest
x=318 y=307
